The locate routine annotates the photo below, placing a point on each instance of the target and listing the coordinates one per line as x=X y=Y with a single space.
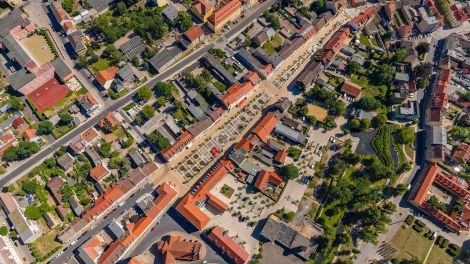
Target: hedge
x=409 y=219
x=453 y=250
x=381 y=145
x=49 y=43
x=35 y=110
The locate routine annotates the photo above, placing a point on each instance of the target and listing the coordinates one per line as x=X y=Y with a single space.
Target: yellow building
x=202 y=10
x=229 y=11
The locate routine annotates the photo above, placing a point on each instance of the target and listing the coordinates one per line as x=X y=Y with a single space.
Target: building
x=229 y=10
x=455 y=186
x=88 y=103
x=191 y=37
x=351 y=89
x=7 y=139
x=293 y=242
x=133 y=47
x=106 y=77
x=229 y=248
x=79 y=143
x=162 y=60
x=407 y=111
x=63 y=72
x=202 y=9
x=172 y=248
x=77 y=41
x=289 y=133
x=65 y=161
x=309 y=74
x=236 y=93
x=218 y=69
x=171 y=14
x=190 y=207
x=268 y=180
x=27 y=230
x=91 y=250
x=462 y=153
x=99 y=172
x=75 y=205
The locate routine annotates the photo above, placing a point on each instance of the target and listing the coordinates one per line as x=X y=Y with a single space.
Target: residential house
x=7 y=139
x=216 y=67
x=99 y=172
x=132 y=48
x=136 y=158
x=30 y=135
x=236 y=93
x=65 y=161
x=171 y=14
x=77 y=41
x=79 y=143
x=75 y=205
x=351 y=89
x=125 y=73
x=108 y=122
x=191 y=37
x=88 y=103
x=462 y=153
x=61 y=69
x=106 y=77
x=202 y=9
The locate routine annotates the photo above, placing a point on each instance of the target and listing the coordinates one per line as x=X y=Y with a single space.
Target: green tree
x=148 y=111
x=67 y=5
x=400 y=189
x=185 y=21
x=383 y=74
x=45 y=127
x=144 y=94
x=399 y=55
x=156 y=139
x=353 y=67
x=379 y=120
x=368 y=103
x=290 y=171
x=288 y=217
x=105 y=149
x=136 y=61
x=66 y=119
x=112 y=53
x=32 y=212
x=405 y=136
x=164 y=89
x=422 y=47
x=30 y=186
x=16 y=103
x=3 y=230
x=355 y=124
x=423 y=70
x=365 y=124
x=13 y=234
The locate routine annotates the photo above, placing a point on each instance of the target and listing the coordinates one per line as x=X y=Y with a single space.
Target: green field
x=411 y=244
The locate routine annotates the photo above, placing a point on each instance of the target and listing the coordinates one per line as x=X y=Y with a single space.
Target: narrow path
x=429 y=252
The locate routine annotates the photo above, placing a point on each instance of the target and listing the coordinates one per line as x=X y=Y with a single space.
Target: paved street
x=100 y=225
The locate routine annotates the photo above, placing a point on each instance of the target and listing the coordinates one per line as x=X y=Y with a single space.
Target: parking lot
x=205 y=152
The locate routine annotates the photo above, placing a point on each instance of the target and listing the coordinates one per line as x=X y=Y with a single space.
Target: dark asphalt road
x=102 y=224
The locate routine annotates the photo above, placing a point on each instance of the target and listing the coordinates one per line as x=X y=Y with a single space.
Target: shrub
x=453 y=250
x=409 y=220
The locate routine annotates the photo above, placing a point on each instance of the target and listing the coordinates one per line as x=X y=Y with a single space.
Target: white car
x=73 y=242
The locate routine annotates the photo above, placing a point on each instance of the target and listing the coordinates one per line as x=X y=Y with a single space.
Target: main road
x=115 y=105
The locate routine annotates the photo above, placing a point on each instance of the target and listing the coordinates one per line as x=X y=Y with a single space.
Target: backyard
x=271 y=46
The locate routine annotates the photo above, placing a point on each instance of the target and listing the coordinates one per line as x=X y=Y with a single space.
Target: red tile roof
x=281 y=156
x=29 y=134
x=107 y=75
x=194 y=32
x=252 y=77
x=18 y=122
x=8 y=202
x=227 y=8
x=108 y=121
x=265 y=127
x=172 y=150
x=235 y=92
x=351 y=89
x=229 y=247
x=202 y=7
x=99 y=172
x=112 y=253
x=7 y=139
x=265 y=177
x=48 y=95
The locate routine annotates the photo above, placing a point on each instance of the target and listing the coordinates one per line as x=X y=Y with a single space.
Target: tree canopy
x=45 y=127
x=144 y=94
x=290 y=171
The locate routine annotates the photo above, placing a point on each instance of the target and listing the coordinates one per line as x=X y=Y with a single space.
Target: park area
x=410 y=244
x=318 y=112
x=36 y=46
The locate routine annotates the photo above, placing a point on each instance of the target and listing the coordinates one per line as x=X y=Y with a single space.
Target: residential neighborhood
x=234 y=131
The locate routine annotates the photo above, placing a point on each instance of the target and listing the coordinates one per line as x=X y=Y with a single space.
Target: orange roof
x=265 y=127
x=90 y=135
x=252 y=77
x=351 y=89
x=8 y=202
x=112 y=253
x=99 y=172
x=202 y=7
x=68 y=26
x=176 y=248
x=244 y=144
x=217 y=203
x=337 y=41
x=7 y=139
x=264 y=177
x=29 y=134
x=108 y=121
x=133 y=260
x=424 y=186
x=281 y=156
x=228 y=7
x=93 y=248
x=113 y=194
x=88 y=96
x=235 y=92
x=60 y=13
x=194 y=32
x=229 y=247
x=182 y=141
x=18 y=122
x=192 y=213
x=107 y=75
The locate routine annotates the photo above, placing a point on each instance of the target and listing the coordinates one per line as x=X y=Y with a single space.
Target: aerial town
x=235 y=131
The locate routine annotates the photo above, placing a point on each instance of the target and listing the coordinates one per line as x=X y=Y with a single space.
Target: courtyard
x=37 y=47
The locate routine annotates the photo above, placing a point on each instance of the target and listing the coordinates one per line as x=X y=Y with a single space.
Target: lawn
x=45 y=243
x=38 y=48
x=312 y=212
x=100 y=65
x=381 y=146
x=364 y=40
x=59 y=131
x=271 y=46
x=411 y=244
x=227 y=191
x=410 y=152
x=368 y=89
x=438 y=256
x=318 y=112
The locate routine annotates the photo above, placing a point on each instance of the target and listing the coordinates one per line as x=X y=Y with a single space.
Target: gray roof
x=196 y=111
x=219 y=69
x=170 y=123
x=93 y=156
x=133 y=47
x=15 y=51
x=136 y=158
x=60 y=68
x=250 y=167
x=198 y=127
x=12 y=20
x=248 y=59
x=21 y=225
x=100 y=5
x=76 y=40
x=170 y=13
x=20 y=79
x=116 y=229
x=309 y=73
x=75 y=204
x=238 y=156
x=402 y=77
x=165 y=134
x=65 y=161
x=165 y=57
x=125 y=72
x=289 y=133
